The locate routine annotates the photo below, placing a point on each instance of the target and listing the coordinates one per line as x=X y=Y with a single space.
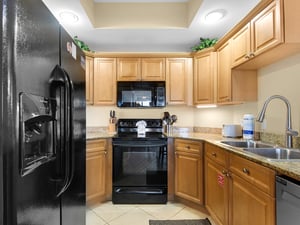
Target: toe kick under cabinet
x=238 y=191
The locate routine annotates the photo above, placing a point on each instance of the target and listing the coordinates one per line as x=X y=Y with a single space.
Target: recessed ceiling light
x=214 y=16
x=68 y=17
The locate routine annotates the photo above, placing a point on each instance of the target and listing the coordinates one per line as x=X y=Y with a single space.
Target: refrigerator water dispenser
x=37 y=131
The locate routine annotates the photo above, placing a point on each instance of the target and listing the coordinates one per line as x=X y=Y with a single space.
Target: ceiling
x=148 y=25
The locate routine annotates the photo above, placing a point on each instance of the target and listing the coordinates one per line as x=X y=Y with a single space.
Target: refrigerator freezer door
x=34 y=52
x=73 y=199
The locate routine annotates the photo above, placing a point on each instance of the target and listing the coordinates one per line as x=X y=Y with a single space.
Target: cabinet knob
x=247 y=56
x=214 y=154
x=188 y=147
x=246 y=171
x=252 y=55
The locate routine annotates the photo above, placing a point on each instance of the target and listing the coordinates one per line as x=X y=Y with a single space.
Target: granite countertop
x=288 y=168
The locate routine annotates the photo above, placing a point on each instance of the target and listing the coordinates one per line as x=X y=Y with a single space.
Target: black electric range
x=140 y=163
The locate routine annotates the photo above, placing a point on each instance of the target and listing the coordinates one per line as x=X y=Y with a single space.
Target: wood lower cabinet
x=97 y=167
x=105 y=81
x=217 y=183
x=238 y=191
x=189 y=170
x=249 y=205
x=253 y=193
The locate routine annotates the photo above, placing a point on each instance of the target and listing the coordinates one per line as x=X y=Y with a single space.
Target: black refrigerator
x=42 y=119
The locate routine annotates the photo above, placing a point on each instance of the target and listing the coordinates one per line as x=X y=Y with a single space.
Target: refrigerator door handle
x=61 y=88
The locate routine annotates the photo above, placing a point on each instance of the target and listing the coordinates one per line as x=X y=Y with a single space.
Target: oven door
x=140 y=172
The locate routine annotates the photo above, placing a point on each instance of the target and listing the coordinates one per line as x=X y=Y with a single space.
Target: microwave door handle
x=61 y=90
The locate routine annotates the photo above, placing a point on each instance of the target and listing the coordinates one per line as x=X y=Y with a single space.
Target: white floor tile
x=110 y=214
x=135 y=216
x=93 y=219
x=109 y=211
x=163 y=212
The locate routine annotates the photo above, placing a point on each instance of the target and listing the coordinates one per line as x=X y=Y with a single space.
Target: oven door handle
x=135 y=144
x=149 y=191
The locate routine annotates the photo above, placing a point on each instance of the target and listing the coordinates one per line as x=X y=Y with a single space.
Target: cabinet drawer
x=188 y=146
x=95 y=145
x=217 y=154
x=263 y=178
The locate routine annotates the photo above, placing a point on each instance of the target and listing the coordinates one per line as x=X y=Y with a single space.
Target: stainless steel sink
x=247 y=144
x=276 y=153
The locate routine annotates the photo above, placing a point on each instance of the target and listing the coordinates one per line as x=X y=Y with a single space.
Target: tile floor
x=110 y=214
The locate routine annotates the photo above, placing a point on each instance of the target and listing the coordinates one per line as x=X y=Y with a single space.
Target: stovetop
x=127 y=130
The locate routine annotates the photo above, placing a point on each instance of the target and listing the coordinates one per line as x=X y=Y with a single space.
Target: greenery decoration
x=81 y=44
x=205 y=43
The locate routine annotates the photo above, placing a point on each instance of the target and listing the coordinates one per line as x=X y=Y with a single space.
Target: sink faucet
x=289 y=132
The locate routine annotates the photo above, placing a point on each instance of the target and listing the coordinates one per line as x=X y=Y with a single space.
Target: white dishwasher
x=287 y=201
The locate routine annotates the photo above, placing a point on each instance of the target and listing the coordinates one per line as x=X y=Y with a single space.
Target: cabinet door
x=105 y=81
x=224 y=74
x=241 y=42
x=267 y=28
x=129 y=69
x=189 y=176
x=89 y=79
x=153 y=69
x=176 y=83
x=95 y=171
x=249 y=205
x=217 y=191
x=204 y=73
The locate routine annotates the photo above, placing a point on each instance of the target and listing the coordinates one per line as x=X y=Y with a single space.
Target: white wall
x=99 y=115
x=281 y=78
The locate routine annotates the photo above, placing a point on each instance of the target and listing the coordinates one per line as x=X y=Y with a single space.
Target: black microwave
x=141 y=94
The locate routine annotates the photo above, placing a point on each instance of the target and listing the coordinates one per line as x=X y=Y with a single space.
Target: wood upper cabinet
x=189 y=170
x=224 y=87
x=267 y=28
x=238 y=191
x=95 y=171
x=234 y=86
x=154 y=69
x=104 y=81
x=263 y=32
x=242 y=46
x=136 y=69
x=89 y=79
x=128 y=69
x=204 y=77
x=178 y=75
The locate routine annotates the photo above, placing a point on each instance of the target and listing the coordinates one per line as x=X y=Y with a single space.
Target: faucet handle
x=292 y=132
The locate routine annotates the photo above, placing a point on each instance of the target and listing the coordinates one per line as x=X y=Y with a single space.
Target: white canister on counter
x=248 y=126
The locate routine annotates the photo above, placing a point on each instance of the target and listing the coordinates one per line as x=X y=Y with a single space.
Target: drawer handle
x=188 y=147
x=246 y=171
x=214 y=154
